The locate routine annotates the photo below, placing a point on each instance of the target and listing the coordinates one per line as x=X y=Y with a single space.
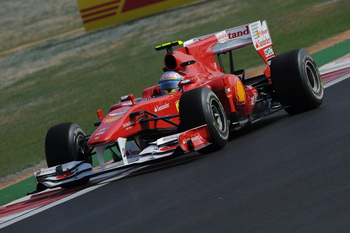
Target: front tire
x=296 y=81
x=201 y=106
x=65 y=143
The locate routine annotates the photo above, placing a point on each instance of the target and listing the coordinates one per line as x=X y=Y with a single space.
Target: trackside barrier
x=97 y=14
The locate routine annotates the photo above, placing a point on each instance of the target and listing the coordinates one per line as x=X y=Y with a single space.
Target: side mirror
x=100 y=114
x=127 y=97
x=188 y=81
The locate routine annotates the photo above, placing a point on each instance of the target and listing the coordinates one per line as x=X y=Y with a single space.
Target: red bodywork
x=124 y=118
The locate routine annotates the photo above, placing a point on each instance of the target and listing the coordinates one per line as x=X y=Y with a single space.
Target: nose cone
x=105 y=133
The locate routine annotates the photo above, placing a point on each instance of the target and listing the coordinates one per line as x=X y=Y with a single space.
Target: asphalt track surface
x=283 y=174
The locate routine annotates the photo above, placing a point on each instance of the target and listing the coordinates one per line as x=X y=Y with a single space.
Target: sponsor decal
x=111 y=119
x=104 y=129
x=269 y=52
x=194 y=138
x=100 y=10
x=240 y=92
x=166 y=139
x=261 y=38
x=221 y=36
x=262 y=32
x=129 y=125
x=161 y=107
x=97 y=14
x=48 y=170
x=117 y=114
x=262 y=43
x=253 y=100
x=260 y=35
x=101 y=131
x=234 y=35
x=177 y=105
x=132 y=5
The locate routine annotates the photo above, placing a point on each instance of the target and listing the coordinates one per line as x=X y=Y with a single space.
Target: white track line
x=338 y=64
x=11 y=219
x=331 y=83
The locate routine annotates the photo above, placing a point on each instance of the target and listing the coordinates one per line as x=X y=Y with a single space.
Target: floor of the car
x=254 y=80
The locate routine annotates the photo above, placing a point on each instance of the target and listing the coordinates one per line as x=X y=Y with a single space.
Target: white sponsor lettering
x=129 y=124
x=198 y=137
x=161 y=107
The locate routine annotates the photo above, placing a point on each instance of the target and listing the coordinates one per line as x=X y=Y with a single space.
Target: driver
x=168 y=83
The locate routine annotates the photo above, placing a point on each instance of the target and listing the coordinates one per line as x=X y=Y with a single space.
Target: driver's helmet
x=169 y=81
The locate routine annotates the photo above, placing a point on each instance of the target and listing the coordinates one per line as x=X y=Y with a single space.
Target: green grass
x=32 y=20
x=68 y=79
x=324 y=56
x=17 y=191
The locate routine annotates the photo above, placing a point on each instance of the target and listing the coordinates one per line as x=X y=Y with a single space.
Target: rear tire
x=296 y=81
x=201 y=106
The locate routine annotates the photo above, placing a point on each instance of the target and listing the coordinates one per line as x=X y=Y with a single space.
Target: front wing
x=75 y=171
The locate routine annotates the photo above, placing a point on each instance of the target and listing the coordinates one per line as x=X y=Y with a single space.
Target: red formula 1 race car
x=199 y=116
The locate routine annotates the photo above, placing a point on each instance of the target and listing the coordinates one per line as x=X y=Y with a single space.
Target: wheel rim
x=219 y=118
x=313 y=78
x=78 y=144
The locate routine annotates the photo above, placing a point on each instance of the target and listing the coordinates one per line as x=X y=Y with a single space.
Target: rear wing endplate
x=256 y=34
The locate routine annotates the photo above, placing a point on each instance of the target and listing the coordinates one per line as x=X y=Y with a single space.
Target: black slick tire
x=201 y=106
x=64 y=143
x=296 y=81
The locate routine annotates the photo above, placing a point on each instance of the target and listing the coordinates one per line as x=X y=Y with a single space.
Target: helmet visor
x=169 y=84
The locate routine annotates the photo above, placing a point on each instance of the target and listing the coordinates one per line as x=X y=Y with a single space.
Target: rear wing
x=256 y=34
